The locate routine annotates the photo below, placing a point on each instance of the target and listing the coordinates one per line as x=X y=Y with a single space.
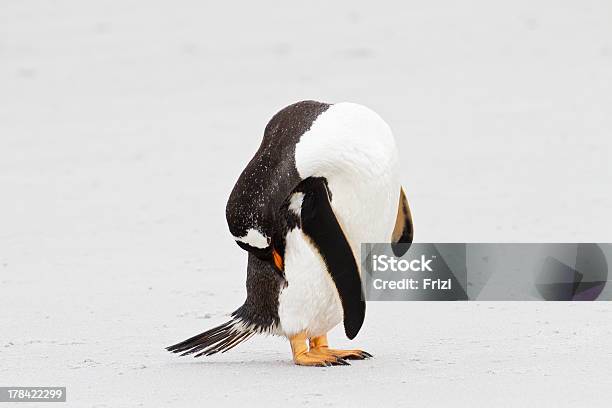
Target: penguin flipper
x=319 y=223
x=403 y=232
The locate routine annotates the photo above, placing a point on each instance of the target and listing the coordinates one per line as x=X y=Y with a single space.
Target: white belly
x=366 y=208
x=354 y=149
x=310 y=302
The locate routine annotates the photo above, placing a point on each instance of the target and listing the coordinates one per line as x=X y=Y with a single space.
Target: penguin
x=324 y=179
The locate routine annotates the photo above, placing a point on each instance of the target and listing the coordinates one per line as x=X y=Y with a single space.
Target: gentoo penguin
x=324 y=179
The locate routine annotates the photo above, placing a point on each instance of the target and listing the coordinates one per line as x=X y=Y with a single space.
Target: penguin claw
x=320 y=360
x=341 y=361
x=345 y=354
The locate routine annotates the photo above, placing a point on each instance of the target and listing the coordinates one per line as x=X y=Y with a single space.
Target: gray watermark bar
x=486 y=271
x=32 y=394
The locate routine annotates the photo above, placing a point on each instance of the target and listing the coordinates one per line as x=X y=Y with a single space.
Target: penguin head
x=254 y=207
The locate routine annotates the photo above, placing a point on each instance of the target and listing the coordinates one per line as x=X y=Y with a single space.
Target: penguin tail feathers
x=218 y=340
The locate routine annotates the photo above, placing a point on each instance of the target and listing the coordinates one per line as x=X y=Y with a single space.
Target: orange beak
x=278 y=260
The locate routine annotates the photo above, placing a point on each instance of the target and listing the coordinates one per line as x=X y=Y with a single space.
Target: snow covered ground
x=123 y=126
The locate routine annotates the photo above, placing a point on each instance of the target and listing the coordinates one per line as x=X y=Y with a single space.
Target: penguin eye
x=278 y=260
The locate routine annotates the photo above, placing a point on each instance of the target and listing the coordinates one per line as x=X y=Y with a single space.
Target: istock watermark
x=383 y=263
x=486 y=271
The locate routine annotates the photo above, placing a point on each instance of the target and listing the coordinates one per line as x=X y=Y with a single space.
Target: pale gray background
x=123 y=126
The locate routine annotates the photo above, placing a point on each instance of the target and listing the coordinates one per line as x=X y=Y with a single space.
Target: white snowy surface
x=123 y=126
